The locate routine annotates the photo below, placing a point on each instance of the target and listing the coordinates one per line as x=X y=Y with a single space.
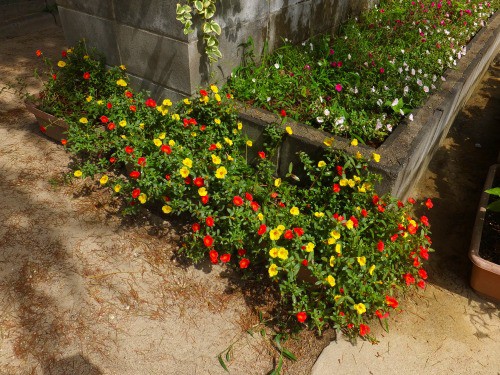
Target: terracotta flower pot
x=53 y=127
x=485 y=278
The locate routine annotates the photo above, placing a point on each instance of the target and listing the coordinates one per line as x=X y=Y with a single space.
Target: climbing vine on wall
x=211 y=29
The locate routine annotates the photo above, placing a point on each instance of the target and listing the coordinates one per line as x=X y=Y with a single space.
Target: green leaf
x=221 y=361
x=216 y=28
x=198 y=5
x=494 y=191
x=495 y=206
x=288 y=354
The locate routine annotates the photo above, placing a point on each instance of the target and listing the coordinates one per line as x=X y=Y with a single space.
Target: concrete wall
x=148 y=40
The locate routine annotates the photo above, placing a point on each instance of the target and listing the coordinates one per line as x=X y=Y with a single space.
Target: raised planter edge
x=55 y=128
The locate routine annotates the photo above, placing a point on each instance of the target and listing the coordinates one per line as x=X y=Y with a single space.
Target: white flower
x=419 y=71
x=402 y=51
x=373 y=88
x=426 y=89
x=419 y=82
x=395 y=102
x=413 y=72
x=320 y=119
x=327 y=112
x=355 y=90
x=400 y=70
x=268 y=99
x=410 y=117
x=406 y=89
x=443 y=79
x=379 y=124
x=277 y=66
x=433 y=87
x=254 y=80
x=389 y=127
x=401 y=112
x=339 y=121
x=349 y=56
x=386 y=88
x=379 y=102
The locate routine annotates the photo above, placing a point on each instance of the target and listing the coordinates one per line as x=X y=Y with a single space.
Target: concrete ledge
x=407 y=152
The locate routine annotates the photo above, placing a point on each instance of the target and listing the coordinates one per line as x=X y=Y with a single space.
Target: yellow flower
x=214 y=89
x=282 y=253
x=361 y=261
x=229 y=157
x=86 y=57
x=289 y=130
x=356 y=178
x=167 y=102
x=294 y=211
x=260 y=216
x=337 y=297
x=277 y=182
x=162 y=110
x=124 y=136
x=240 y=126
x=372 y=268
x=88 y=98
x=331 y=280
x=362 y=188
x=319 y=214
x=332 y=261
x=104 y=180
x=184 y=172
x=100 y=102
x=338 y=248
x=221 y=172
x=273 y=253
x=143 y=198
x=204 y=99
x=217 y=121
x=188 y=163
x=166 y=209
x=83 y=120
x=122 y=67
x=186 y=101
x=358 y=155
x=321 y=164
x=249 y=143
x=157 y=142
x=171 y=143
x=343 y=182
x=349 y=224
x=354 y=142
x=351 y=183
x=376 y=157
x=69 y=50
x=202 y=192
x=78 y=173
x=117 y=188
x=176 y=117
x=360 y=308
x=275 y=234
x=61 y=64
x=215 y=159
x=228 y=141
x=335 y=234
x=218 y=145
x=273 y=270
x=328 y=142
x=310 y=247
x=123 y=123
x=121 y=82
x=217 y=97
x=141 y=125
x=331 y=241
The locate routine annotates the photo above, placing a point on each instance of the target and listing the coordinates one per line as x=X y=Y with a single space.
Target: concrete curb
x=407 y=152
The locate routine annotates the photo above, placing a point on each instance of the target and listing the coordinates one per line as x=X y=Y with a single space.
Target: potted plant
x=80 y=75
x=485 y=244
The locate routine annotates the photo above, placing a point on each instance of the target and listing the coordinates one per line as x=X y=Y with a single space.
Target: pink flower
x=338 y=87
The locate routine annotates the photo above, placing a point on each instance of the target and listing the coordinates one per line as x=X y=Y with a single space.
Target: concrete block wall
x=149 y=41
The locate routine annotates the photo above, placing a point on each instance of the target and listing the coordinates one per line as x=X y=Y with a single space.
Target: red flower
x=412 y=229
x=128 y=94
x=400 y=204
x=43 y=129
x=262 y=154
x=422 y=273
x=195 y=227
x=364 y=213
x=394 y=237
x=64 y=142
x=203 y=127
x=104 y=119
x=111 y=126
x=340 y=170
x=288 y=234
x=209 y=221
x=150 y=103
x=255 y=206
x=381 y=315
x=198 y=182
x=382 y=70
x=364 y=330
x=112 y=160
x=283 y=113
x=141 y=161
x=409 y=279
x=355 y=222
x=237 y=200
x=380 y=246
x=64 y=54
x=135 y=174
x=424 y=220
x=274 y=194
x=391 y=301
x=167 y=177
x=244 y=263
x=262 y=229
x=109 y=105
x=424 y=253
x=214 y=255
x=133 y=108
x=166 y=149
x=380 y=208
x=241 y=252
x=136 y=193
x=38 y=53
x=350 y=326
x=129 y=149
x=416 y=262
x=208 y=241
x=411 y=200
x=336 y=188
x=203 y=93
x=305 y=262
x=375 y=199
x=224 y=258
x=298 y=231
x=86 y=75
x=54 y=77
x=429 y=203
x=421 y=284
x=248 y=197
x=301 y=317
x=212 y=147
x=204 y=199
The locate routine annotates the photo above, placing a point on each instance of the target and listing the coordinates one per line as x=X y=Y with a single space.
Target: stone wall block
x=99 y=8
